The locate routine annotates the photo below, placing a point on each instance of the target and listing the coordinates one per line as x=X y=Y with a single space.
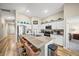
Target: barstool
x=52 y=50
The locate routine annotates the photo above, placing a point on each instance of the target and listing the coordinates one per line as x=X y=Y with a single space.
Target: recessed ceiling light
x=27 y=11
x=10 y=18
x=45 y=11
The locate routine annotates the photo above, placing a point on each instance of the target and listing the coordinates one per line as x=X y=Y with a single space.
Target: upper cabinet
x=42 y=26
x=60 y=24
x=55 y=20
x=54 y=25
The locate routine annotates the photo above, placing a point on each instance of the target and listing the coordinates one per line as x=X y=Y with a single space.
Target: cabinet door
x=54 y=38
x=28 y=26
x=36 y=29
x=42 y=26
x=59 y=40
x=60 y=25
x=54 y=25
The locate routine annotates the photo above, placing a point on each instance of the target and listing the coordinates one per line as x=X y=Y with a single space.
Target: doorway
x=73 y=33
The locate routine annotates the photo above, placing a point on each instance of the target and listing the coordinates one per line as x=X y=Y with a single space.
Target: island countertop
x=38 y=42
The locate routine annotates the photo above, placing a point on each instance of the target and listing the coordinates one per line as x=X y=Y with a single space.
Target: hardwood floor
x=3 y=45
x=67 y=52
x=8 y=46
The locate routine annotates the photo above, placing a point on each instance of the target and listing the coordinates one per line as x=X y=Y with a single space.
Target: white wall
x=2 y=26
x=1 y=29
x=11 y=29
x=71 y=9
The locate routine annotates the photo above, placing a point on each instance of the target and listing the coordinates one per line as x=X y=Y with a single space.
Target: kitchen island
x=40 y=42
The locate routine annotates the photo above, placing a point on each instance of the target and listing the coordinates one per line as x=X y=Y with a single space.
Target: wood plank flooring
x=67 y=52
x=8 y=48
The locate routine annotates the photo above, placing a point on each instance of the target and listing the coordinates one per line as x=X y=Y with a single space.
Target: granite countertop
x=38 y=42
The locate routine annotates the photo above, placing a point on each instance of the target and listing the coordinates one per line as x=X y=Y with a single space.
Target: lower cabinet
x=58 y=39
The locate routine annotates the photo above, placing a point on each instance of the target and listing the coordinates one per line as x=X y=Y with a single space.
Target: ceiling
x=34 y=9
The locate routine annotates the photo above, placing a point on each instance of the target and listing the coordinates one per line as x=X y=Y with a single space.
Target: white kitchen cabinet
x=42 y=26
x=54 y=25
x=58 y=39
x=35 y=29
x=60 y=24
x=48 y=23
x=28 y=26
x=53 y=38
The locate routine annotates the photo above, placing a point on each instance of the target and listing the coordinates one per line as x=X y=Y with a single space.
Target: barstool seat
x=53 y=48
